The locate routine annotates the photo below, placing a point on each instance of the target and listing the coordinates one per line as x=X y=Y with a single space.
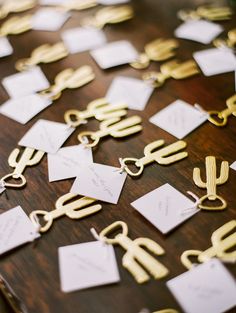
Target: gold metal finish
x=16 y=6
x=16 y=25
x=210 y=13
x=69 y=79
x=220 y=118
x=211 y=182
x=173 y=69
x=101 y=109
x=222 y=242
x=78 y=5
x=109 y=15
x=229 y=42
x=114 y=127
x=68 y=205
x=28 y=157
x=156 y=50
x=43 y=54
x=136 y=255
x=166 y=311
x=164 y=156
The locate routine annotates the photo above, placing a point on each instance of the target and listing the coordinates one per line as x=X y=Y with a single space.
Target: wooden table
x=32 y=270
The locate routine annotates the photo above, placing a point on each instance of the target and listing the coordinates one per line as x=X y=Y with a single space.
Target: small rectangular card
x=46 y=135
x=67 y=162
x=49 y=19
x=25 y=83
x=114 y=54
x=112 y=2
x=82 y=39
x=233 y=166
x=87 y=265
x=16 y=229
x=100 y=182
x=199 y=30
x=25 y=108
x=165 y=207
x=134 y=92
x=207 y=288
x=5 y=47
x=179 y=119
x=215 y=61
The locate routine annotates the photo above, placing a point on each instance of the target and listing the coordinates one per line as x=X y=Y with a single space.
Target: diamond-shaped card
x=25 y=83
x=68 y=161
x=206 y=288
x=5 y=47
x=47 y=19
x=46 y=135
x=179 y=119
x=134 y=92
x=83 y=38
x=87 y=265
x=114 y=54
x=165 y=207
x=100 y=182
x=233 y=165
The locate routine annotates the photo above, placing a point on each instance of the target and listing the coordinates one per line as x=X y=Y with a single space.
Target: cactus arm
x=13 y=157
x=171 y=159
x=152 y=146
x=150 y=245
x=36 y=158
x=197 y=178
x=224 y=173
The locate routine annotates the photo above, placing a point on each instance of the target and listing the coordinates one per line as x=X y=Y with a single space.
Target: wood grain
x=32 y=270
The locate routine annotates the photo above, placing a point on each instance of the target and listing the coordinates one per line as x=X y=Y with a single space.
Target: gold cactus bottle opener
x=43 y=54
x=220 y=118
x=164 y=156
x=28 y=157
x=69 y=79
x=211 y=13
x=109 y=15
x=156 y=50
x=16 y=6
x=101 y=109
x=222 y=240
x=68 y=205
x=76 y=5
x=211 y=182
x=229 y=42
x=172 y=69
x=114 y=127
x=16 y=25
x=136 y=255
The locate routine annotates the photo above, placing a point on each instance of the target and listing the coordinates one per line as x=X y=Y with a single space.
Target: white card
x=25 y=83
x=67 y=162
x=233 y=166
x=207 y=288
x=2 y=188
x=100 y=182
x=82 y=39
x=46 y=135
x=112 y=2
x=15 y=229
x=134 y=92
x=5 y=47
x=215 y=61
x=200 y=31
x=165 y=207
x=114 y=54
x=179 y=119
x=24 y=109
x=87 y=265
x=49 y=19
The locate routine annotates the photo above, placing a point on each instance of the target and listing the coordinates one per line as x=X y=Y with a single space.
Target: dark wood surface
x=32 y=270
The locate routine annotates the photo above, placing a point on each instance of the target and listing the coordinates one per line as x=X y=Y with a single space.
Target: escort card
x=15 y=229
x=208 y=287
x=2 y=188
x=114 y=54
x=179 y=119
x=5 y=47
x=67 y=162
x=82 y=39
x=134 y=92
x=165 y=207
x=215 y=61
x=87 y=265
x=100 y=182
x=233 y=166
x=49 y=19
x=25 y=83
x=25 y=108
x=199 y=30
x=46 y=135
